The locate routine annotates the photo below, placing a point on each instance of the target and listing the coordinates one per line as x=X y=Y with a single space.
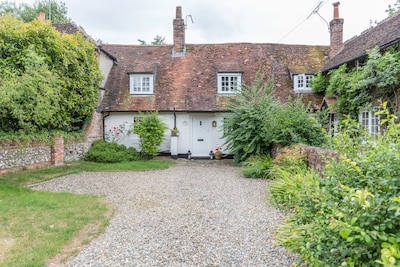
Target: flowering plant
x=218 y=150
x=117 y=133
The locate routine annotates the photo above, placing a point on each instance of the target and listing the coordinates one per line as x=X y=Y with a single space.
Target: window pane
x=300 y=81
x=309 y=79
x=145 y=84
x=136 y=84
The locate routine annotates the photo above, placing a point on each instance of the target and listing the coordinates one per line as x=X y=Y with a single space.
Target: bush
x=257 y=120
x=151 y=134
x=351 y=216
x=257 y=167
x=102 y=151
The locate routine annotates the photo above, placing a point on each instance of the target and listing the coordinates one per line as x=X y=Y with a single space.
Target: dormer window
x=229 y=83
x=302 y=83
x=141 y=84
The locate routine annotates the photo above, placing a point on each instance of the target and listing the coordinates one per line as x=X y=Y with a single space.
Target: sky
x=222 y=21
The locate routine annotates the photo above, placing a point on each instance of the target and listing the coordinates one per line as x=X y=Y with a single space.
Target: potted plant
x=218 y=153
x=174 y=132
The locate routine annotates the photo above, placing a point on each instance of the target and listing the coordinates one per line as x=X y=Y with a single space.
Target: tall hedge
x=48 y=80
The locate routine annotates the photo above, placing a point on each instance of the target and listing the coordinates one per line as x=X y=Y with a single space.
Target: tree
x=55 y=11
x=158 y=40
x=393 y=10
x=48 y=80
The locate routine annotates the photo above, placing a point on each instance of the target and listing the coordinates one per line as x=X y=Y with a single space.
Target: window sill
x=303 y=91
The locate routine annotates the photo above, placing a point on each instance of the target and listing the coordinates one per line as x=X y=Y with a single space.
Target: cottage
x=354 y=53
x=188 y=84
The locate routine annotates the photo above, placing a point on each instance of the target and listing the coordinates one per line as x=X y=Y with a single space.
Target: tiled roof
x=189 y=83
x=72 y=28
x=384 y=34
x=69 y=28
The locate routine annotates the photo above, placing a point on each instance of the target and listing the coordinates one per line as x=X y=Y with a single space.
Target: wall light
x=214 y=124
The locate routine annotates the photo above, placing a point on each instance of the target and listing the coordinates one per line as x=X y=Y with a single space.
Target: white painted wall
x=183 y=123
x=105 y=64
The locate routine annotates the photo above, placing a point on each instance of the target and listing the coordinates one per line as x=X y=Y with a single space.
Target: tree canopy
x=48 y=80
x=158 y=40
x=55 y=11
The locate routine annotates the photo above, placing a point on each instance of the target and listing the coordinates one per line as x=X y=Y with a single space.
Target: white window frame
x=302 y=83
x=370 y=122
x=141 y=84
x=229 y=83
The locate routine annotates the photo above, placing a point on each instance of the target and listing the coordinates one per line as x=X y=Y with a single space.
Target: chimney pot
x=336 y=31
x=336 y=10
x=42 y=16
x=178 y=12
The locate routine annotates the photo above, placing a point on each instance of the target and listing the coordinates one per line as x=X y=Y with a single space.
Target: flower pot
x=217 y=156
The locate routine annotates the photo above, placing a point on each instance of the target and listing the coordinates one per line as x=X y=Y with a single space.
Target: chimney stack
x=179 y=34
x=336 y=31
x=42 y=16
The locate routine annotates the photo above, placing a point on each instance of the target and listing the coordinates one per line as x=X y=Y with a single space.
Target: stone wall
x=74 y=151
x=13 y=156
x=34 y=154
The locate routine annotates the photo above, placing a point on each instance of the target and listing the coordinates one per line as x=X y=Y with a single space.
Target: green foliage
x=257 y=167
x=55 y=11
x=257 y=120
x=347 y=85
x=382 y=71
x=151 y=133
x=48 y=81
x=294 y=125
x=248 y=129
x=351 y=216
x=319 y=83
x=158 y=40
x=110 y=152
x=393 y=10
x=355 y=88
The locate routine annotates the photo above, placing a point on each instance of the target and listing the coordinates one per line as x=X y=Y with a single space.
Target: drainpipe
x=104 y=130
x=174 y=119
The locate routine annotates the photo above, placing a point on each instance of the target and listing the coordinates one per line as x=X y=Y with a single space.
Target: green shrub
x=102 y=151
x=257 y=167
x=351 y=216
x=257 y=120
x=151 y=134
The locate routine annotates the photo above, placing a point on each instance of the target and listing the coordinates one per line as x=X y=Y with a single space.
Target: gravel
x=196 y=213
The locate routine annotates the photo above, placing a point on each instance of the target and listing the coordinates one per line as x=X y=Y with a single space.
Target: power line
x=313 y=12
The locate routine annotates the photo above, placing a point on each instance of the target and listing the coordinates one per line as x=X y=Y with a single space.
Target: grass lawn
x=35 y=226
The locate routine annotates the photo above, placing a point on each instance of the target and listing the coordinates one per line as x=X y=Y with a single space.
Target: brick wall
x=318 y=157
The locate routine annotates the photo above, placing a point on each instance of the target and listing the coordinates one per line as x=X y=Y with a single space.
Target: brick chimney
x=179 y=34
x=336 y=31
x=42 y=16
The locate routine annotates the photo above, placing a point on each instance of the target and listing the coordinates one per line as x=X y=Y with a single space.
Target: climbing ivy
x=378 y=78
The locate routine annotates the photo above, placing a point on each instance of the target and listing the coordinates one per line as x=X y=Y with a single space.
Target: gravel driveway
x=196 y=213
